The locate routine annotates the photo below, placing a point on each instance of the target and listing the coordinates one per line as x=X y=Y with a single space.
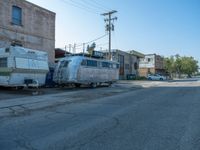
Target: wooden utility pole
x=109 y=27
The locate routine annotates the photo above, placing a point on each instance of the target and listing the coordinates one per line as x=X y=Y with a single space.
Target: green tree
x=180 y=65
x=169 y=65
x=90 y=48
x=189 y=65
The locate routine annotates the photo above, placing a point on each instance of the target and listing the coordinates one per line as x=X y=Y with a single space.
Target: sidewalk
x=24 y=105
x=140 y=83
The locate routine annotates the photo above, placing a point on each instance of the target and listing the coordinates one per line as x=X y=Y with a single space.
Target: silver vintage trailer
x=79 y=70
x=22 y=67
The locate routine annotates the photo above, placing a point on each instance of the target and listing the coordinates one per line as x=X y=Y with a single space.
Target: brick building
x=28 y=25
x=151 y=64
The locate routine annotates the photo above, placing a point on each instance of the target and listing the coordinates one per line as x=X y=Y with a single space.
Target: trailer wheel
x=34 y=93
x=109 y=84
x=93 y=85
x=19 y=87
x=77 y=85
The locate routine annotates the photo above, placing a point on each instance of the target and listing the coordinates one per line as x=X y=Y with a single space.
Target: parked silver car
x=156 y=77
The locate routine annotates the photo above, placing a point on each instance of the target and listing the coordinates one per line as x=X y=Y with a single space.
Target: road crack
x=99 y=134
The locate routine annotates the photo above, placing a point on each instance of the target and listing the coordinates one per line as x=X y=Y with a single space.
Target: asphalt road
x=165 y=117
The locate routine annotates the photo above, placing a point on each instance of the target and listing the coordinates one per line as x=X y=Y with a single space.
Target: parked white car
x=156 y=77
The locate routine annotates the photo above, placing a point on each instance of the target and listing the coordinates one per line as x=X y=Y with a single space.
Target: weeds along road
x=166 y=116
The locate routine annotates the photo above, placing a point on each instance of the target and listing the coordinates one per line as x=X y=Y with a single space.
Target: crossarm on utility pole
x=110 y=27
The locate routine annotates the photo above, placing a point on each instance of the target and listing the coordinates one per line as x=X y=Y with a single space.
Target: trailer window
x=3 y=62
x=92 y=63
x=64 y=63
x=114 y=66
x=117 y=66
x=7 y=50
x=84 y=63
x=105 y=65
x=110 y=65
x=98 y=64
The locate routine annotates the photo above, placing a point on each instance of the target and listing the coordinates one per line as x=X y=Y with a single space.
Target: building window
x=149 y=71
x=16 y=15
x=127 y=67
x=135 y=66
x=3 y=62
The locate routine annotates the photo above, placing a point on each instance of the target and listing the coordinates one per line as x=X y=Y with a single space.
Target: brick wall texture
x=37 y=30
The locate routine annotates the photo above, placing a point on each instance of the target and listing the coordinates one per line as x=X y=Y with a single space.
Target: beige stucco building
x=28 y=25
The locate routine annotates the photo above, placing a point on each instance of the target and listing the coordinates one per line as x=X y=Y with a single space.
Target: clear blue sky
x=164 y=27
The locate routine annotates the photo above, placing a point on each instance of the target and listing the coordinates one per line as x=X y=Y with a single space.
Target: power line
x=79 y=3
x=94 y=4
x=97 y=39
x=78 y=6
x=100 y=4
x=103 y=44
x=81 y=44
x=92 y=7
x=89 y=5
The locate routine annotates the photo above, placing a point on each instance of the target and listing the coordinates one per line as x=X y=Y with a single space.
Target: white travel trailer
x=22 y=67
x=79 y=70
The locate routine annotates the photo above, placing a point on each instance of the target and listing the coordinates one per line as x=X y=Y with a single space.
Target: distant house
x=28 y=25
x=128 y=61
x=151 y=64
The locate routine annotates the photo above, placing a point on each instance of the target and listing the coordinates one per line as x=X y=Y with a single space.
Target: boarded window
x=16 y=15
x=3 y=62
